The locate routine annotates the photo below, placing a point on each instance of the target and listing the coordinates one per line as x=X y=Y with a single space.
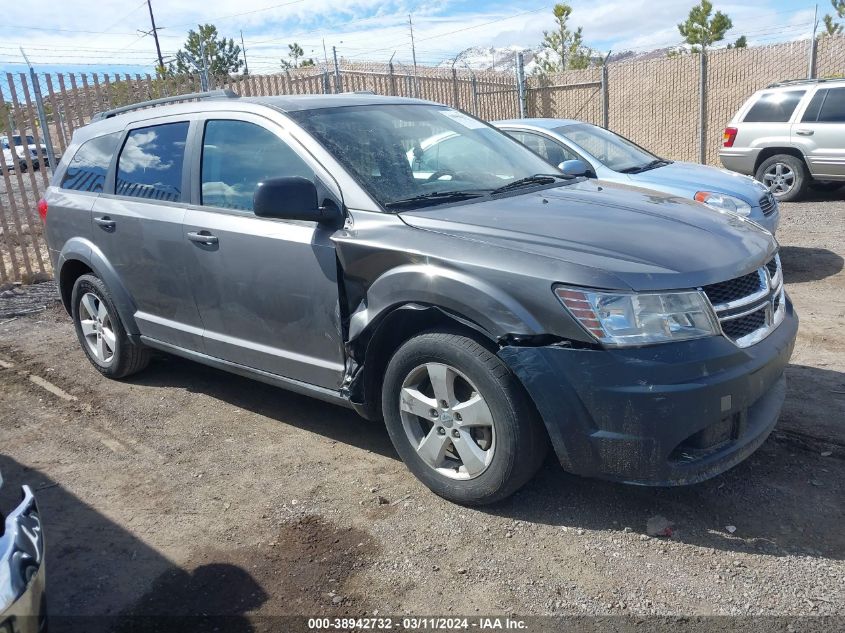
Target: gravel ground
x=187 y=490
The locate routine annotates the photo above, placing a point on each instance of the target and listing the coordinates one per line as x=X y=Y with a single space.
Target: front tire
x=460 y=420
x=100 y=330
x=785 y=176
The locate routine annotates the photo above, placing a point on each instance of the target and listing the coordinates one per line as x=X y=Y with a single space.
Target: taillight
x=42 y=209
x=729 y=136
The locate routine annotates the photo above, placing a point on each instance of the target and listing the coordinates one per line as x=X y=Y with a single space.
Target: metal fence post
x=605 y=100
x=474 y=95
x=520 y=84
x=392 y=79
x=811 y=62
x=337 y=84
x=702 y=109
x=455 y=100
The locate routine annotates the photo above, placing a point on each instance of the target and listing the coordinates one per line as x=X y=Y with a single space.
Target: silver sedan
x=586 y=149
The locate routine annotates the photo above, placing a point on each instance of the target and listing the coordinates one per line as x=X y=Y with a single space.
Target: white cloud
x=363 y=29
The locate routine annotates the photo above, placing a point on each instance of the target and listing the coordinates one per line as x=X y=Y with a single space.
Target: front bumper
x=661 y=415
x=22 y=597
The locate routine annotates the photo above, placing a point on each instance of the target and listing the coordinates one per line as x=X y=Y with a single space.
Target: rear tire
x=100 y=330
x=486 y=439
x=785 y=176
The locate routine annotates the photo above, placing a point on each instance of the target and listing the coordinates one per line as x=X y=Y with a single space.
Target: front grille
x=768 y=204
x=745 y=325
x=772 y=267
x=734 y=289
x=751 y=306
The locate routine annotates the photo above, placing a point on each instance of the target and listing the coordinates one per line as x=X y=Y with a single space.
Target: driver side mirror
x=293 y=198
x=574 y=168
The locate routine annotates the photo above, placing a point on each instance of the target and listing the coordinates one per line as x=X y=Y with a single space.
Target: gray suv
x=481 y=303
x=790 y=136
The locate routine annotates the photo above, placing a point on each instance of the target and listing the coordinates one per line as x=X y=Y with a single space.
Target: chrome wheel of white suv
x=779 y=178
x=785 y=176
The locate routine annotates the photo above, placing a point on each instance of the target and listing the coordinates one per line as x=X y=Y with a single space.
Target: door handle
x=202 y=237
x=105 y=223
x=804 y=132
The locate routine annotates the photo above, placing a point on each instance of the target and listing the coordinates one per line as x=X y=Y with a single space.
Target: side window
x=459 y=153
x=833 y=108
x=774 y=107
x=553 y=152
x=150 y=163
x=88 y=167
x=812 y=111
x=236 y=156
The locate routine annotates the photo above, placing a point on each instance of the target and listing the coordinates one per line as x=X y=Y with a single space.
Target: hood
x=693 y=177
x=648 y=240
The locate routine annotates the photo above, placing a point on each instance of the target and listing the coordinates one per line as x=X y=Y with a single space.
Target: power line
x=236 y=15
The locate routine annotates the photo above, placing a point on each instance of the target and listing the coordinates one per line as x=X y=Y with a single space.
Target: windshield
x=29 y=140
x=615 y=152
x=410 y=156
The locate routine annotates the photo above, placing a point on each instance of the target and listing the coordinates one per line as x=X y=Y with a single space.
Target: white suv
x=790 y=136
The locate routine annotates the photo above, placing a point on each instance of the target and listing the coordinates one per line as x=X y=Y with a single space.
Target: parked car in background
x=22 y=598
x=484 y=308
x=790 y=136
x=13 y=157
x=23 y=146
x=611 y=157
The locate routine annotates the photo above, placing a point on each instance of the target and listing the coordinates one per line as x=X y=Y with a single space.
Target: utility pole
x=243 y=48
x=414 y=57
x=325 y=54
x=336 y=71
x=155 y=37
x=811 y=64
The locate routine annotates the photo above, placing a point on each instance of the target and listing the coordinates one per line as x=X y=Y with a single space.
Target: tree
x=741 y=42
x=701 y=30
x=564 y=48
x=296 y=54
x=222 y=56
x=831 y=27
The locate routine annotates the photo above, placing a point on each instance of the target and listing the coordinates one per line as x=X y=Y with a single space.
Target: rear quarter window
x=774 y=107
x=87 y=170
x=150 y=163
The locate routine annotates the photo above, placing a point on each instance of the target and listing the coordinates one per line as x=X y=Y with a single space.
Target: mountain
x=491 y=58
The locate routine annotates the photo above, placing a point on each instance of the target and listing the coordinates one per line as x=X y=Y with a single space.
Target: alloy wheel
x=779 y=178
x=96 y=323
x=447 y=421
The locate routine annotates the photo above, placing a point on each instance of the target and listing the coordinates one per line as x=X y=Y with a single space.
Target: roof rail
x=791 y=82
x=211 y=94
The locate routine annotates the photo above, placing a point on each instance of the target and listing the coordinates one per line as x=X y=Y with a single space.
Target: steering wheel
x=440 y=173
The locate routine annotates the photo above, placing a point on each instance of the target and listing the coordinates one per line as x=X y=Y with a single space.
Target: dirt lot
x=188 y=490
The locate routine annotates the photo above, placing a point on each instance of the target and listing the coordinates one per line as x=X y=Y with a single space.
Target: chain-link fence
x=676 y=107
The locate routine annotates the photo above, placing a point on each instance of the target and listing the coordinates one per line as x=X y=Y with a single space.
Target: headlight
x=620 y=319
x=723 y=202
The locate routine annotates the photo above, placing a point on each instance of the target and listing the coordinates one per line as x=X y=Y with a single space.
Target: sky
x=109 y=35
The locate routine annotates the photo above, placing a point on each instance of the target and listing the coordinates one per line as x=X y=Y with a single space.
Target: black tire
x=128 y=357
x=800 y=181
x=521 y=442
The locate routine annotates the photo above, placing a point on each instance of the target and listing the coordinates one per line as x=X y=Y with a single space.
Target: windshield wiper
x=536 y=179
x=435 y=197
x=658 y=162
